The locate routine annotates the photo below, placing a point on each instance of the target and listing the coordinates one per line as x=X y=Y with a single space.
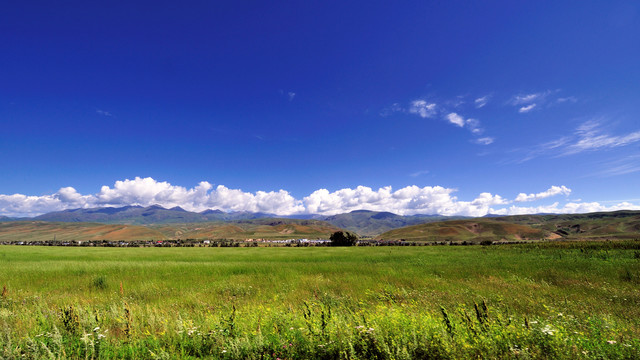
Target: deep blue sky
x=306 y=95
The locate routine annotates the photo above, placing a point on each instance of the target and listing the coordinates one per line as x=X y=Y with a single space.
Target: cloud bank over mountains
x=409 y=200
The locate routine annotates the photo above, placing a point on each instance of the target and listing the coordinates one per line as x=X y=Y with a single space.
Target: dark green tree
x=343 y=238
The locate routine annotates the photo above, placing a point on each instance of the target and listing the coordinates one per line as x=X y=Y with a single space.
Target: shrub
x=343 y=238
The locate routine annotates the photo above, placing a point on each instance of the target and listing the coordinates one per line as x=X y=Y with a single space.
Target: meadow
x=542 y=300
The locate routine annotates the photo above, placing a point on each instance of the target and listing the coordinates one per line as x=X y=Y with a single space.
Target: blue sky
x=415 y=107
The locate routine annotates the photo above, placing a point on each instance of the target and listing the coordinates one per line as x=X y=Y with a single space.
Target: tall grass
x=522 y=301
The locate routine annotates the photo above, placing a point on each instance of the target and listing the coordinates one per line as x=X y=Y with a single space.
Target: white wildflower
x=548 y=330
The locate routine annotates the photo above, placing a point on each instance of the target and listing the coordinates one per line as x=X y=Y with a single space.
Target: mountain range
x=362 y=222
x=158 y=222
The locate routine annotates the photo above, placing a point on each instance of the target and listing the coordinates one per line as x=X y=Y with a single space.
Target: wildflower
x=224 y=351
x=548 y=330
x=359 y=327
x=611 y=342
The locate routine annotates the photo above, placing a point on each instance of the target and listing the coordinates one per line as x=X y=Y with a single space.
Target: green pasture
x=545 y=300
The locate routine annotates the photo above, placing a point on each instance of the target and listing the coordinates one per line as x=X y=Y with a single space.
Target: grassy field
x=549 y=300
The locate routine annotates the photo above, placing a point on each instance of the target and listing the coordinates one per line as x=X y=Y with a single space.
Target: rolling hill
x=264 y=228
x=372 y=223
x=596 y=226
x=47 y=231
x=473 y=230
x=271 y=229
x=624 y=224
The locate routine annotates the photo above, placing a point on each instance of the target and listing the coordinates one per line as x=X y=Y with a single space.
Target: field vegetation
x=546 y=300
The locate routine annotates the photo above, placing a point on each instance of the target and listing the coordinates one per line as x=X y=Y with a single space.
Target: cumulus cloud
x=455 y=119
x=409 y=200
x=422 y=108
x=426 y=109
x=552 y=191
x=569 y=208
x=148 y=191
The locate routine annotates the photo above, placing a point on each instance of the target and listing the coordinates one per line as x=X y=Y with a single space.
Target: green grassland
x=545 y=300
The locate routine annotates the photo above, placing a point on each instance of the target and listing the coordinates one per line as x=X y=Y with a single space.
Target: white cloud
x=482 y=101
x=455 y=119
x=406 y=201
x=621 y=166
x=572 y=99
x=419 y=173
x=394 y=108
x=591 y=137
x=569 y=208
x=422 y=108
x=104 y=113
x=552 y=191
x=484 y=141
x=527 y=108
x=529 y=98
x=474 y=126
x=291 y=95
x=409 y=200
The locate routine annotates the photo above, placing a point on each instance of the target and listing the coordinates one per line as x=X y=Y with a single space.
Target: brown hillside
x=475 y=230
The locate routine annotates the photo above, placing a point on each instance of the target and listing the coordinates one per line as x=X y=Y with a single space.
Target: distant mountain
x=619 y=224
x=371 y=223
x=139 y=215
x=362 y=222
